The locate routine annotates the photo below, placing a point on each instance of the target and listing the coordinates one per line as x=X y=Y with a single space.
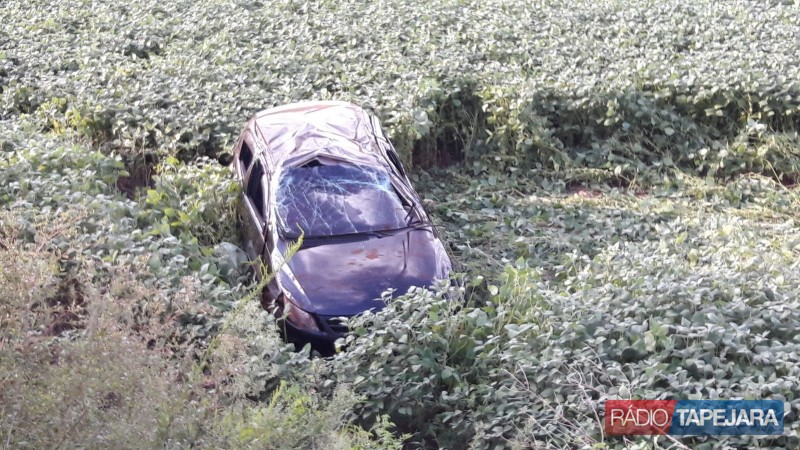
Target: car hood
x=347 y=278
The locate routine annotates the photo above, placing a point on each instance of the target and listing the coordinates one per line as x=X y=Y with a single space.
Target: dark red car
x=326 y=171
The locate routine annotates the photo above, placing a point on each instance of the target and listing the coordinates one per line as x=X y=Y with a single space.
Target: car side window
x=245 y=156
x=255 y=190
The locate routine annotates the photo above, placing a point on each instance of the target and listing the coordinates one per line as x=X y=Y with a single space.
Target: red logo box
x=638 y=417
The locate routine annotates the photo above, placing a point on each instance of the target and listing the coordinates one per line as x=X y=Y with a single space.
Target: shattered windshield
x=331 y=200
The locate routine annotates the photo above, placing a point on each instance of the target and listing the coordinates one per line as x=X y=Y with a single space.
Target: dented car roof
x=299 y=132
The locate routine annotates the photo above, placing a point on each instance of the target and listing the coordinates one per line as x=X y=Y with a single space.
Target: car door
x=253 y=210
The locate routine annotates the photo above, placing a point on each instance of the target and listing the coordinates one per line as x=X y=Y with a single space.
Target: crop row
x=623 y=86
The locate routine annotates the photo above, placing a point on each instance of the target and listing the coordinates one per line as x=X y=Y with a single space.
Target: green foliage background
x=625 y=86
x=616 y=179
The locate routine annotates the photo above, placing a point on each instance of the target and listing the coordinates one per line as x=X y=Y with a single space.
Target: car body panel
x=348 y=278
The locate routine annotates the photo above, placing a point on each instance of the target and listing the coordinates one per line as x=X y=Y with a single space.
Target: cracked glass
x=320 y=200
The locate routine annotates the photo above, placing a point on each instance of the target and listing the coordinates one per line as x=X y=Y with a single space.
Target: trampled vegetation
x=617 y=180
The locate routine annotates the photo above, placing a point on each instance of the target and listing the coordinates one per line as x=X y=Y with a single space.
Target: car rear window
x=331 y=200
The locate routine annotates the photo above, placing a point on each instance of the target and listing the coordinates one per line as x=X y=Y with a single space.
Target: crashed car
x=327 y=172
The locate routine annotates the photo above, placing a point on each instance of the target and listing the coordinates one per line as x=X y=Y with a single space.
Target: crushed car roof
x=298 y=132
